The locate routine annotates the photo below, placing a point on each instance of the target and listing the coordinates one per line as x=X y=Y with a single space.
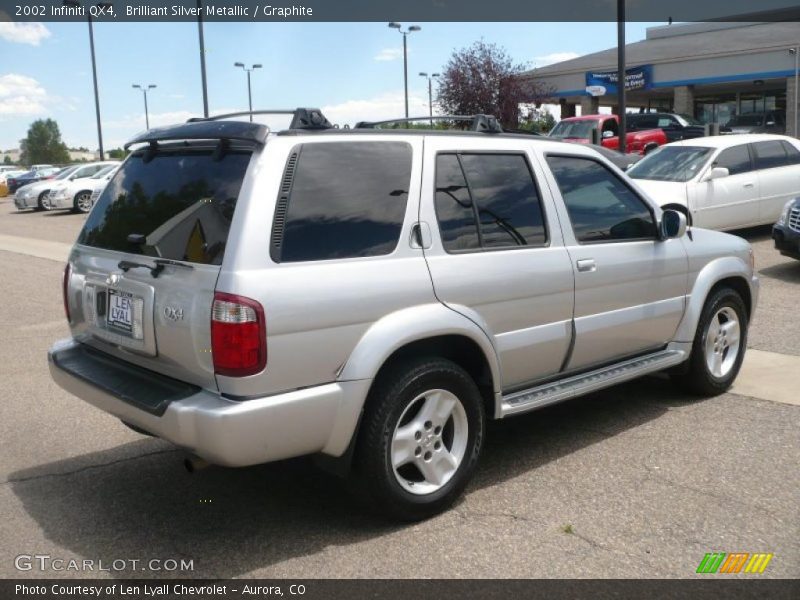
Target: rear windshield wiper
x=155 y=269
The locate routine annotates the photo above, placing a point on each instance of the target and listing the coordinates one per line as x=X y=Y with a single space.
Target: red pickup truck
x=579 y=130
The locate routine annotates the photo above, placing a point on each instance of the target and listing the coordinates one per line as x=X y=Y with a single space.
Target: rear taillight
x=65 y=290
x=238 y=336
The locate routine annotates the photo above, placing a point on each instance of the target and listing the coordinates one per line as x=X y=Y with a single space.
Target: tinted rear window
x=182 y=202
x=347 y=200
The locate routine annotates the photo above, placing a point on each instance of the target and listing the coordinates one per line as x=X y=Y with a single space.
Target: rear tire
x=718 y=347
x=420 y=439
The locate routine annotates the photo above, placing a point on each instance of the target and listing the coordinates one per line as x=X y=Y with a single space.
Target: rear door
x=145 y=266
x=497 y=256
x=778 y=164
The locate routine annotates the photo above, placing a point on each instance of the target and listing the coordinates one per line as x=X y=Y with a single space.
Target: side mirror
x=608 y=134
x=716 y=173
x=672 y=225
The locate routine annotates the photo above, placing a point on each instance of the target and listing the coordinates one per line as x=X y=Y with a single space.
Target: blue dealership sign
x=636 y=78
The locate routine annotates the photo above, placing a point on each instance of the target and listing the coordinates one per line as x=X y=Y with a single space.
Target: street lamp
x=796 y=52
x=76 y=4
x=249 y=92
x=144 y=92
x=430 y=93
x=411 y=29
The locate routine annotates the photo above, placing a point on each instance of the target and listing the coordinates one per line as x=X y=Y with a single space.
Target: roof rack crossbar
x=480 y=122
x=302 y=118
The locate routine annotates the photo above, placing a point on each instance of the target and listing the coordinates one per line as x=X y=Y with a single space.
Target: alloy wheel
x=722 y=341
x=429 y=441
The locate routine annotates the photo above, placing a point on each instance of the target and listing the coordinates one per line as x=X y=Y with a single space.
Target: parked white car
x=723 y=182
x=34 y=195
x=101 y=181
x=76 y=193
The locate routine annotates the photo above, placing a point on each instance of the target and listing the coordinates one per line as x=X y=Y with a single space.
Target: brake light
x=238 y=336
x=65 y=290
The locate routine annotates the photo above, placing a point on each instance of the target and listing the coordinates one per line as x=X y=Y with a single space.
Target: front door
x=630 y=287
x=497 y=254
x=727 y=202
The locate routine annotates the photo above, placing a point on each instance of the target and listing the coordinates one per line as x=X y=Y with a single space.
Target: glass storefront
x=721 y=108
x=715 y=109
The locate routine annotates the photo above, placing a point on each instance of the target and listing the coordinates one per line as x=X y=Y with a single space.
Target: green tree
x=483 y=78
x=538 y=120
x=117 y=153
x=7 y=160
x=43 y=144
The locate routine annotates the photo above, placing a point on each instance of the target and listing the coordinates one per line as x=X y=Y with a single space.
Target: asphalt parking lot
x=635 y=481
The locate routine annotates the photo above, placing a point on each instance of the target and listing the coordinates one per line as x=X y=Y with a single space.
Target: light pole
x=796 y=52
x=411 y=29
x=144 y=92
x=621 y=73
x=249 y=92
x=430 y=93
x=203 y=79
x=75 y=4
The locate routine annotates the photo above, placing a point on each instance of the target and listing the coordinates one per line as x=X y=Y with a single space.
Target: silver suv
x=374 y=295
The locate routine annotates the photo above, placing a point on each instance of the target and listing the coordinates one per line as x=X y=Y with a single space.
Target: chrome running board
x=578 y=385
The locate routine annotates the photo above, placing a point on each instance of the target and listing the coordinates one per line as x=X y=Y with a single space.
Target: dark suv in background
x=786 y=232
x=675 y=126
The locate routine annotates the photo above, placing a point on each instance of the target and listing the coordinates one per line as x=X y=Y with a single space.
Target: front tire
x=421 y=437
x=41 y=201
x=718 y=347
x=83 y=202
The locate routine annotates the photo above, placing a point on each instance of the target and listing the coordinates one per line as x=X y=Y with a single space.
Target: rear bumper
x=787 y=241
x=219 y=430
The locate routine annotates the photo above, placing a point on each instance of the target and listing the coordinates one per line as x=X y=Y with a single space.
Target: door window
x=770 y=154
x=487 y=201
x=735 y=159
x=601 y=207
x=611 y=125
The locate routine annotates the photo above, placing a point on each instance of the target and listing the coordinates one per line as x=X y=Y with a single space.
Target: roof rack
x=482 y=123
x=302 y=118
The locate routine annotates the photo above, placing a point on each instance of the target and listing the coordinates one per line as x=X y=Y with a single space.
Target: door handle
x=748 y=185
x=586 y=265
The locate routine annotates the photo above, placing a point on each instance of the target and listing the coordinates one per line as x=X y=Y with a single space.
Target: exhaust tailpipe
x=192 y=464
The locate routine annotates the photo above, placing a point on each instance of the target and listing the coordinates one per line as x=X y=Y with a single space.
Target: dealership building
x=712 y=71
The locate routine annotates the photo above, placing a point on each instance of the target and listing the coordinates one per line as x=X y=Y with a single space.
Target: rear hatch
x=142 y=275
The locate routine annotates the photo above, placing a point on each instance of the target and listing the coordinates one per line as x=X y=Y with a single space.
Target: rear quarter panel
x=316 y=312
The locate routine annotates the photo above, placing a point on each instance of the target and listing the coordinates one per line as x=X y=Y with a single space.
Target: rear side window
x=347 y=200
x=770 y=154
x=487 y=201
x=178 y=205
x=601 y=207
x=792 y=153
x=735 y=159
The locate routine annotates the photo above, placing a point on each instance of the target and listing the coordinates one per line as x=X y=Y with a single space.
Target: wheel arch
x=728 y=271
x=432 y=330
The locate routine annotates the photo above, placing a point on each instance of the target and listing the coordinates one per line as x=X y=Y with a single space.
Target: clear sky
x=352 y=71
